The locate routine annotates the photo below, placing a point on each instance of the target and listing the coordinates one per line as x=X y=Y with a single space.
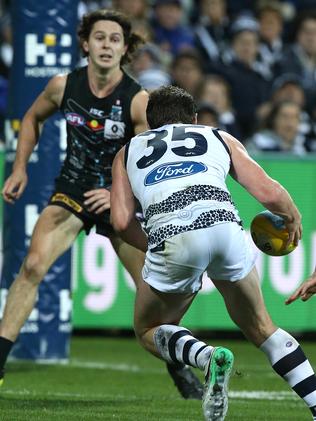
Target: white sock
x=289 y=361
x=176 y=344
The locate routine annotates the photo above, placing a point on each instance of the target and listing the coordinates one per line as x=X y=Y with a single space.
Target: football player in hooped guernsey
x=103 y=108
x=177 y=171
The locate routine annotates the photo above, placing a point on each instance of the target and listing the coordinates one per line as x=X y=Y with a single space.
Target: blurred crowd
x=250 y=65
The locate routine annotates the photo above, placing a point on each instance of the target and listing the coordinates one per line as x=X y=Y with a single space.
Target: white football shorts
x=223 y=251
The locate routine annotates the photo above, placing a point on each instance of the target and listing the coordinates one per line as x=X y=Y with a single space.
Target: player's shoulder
x=57 y=84
x=60 y=80
x=140 y=98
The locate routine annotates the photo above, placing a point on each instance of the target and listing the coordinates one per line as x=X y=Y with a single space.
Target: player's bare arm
x=123 y=206
x=44 y=106
x=138 y=112
x=266 y=190
x=304 y=291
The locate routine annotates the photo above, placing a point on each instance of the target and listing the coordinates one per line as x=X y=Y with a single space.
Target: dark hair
x=188 y=54
x=168 y=105
x=213 y=78
x=131 y=39
x=270 y=6
x=275 y=111
x=300 y=20
x=206 y=107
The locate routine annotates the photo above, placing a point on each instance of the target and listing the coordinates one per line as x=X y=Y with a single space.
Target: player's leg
x=157 y=316
x=132 y=258
x=54 y=232
x=174 y=275
x=188 y=385
x=246 y=307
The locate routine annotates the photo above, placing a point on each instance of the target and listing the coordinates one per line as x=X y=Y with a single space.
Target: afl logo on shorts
x=75 y=119
x=173 y=170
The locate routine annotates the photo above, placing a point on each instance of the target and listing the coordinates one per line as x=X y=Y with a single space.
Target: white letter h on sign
x=35 y=49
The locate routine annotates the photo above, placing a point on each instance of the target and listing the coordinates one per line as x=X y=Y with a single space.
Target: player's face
x=106 y=44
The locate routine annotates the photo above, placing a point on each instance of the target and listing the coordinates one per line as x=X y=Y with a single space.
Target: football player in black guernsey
x=103 y=108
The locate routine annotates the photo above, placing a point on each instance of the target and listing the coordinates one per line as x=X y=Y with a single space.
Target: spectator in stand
x=288 y=87
x=207 y=115
x=300 y=59
x=212 y=30
x=148 y=67
x=169 y=32
x=86 y=6
x=152 y=79
x=281 y=131
x=215 y=90
x=187 y=71
x=137 y=10
x=147 y=57
x=270 y=18
x=249 y=88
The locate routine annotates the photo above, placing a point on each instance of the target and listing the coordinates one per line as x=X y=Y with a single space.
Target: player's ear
x=125 y=50
x=85 y=46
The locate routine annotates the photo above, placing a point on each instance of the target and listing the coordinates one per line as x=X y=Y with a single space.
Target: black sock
x=5 y=348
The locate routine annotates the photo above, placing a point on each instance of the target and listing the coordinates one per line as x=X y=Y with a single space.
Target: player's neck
x=102 y=83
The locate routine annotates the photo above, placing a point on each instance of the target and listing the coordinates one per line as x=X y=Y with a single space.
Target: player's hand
x=97 y=200
x=14 y=186
x=295 y=230
x=305 y=291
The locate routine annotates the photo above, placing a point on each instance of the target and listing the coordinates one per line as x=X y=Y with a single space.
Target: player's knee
x=139 y=333
x=33 y=267
x=141 y=336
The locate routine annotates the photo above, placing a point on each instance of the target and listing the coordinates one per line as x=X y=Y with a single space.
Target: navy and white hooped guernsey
x=177 y=173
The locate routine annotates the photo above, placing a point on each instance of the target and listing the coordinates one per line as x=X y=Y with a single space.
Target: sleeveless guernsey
x=96 y=129
x=177 y=173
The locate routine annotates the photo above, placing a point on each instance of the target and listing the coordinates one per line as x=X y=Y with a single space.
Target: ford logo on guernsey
x=173 y=170
x=75 y=119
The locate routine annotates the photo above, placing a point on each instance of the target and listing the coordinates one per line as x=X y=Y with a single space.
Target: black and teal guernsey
x=96 y=129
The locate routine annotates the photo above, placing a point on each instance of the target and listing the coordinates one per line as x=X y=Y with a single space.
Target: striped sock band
x=289 y=361
x=176 y=344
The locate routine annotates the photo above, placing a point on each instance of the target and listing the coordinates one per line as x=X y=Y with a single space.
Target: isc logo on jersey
x=173 y=170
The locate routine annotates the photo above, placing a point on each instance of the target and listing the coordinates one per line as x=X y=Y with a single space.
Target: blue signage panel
x=44 y=44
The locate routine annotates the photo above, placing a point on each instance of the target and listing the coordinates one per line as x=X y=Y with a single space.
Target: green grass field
x=115 y=379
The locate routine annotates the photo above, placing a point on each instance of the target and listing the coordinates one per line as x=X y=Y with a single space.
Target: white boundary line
x=99 y=365
x=77 y=363
x=108 y=366
x=238 y=395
